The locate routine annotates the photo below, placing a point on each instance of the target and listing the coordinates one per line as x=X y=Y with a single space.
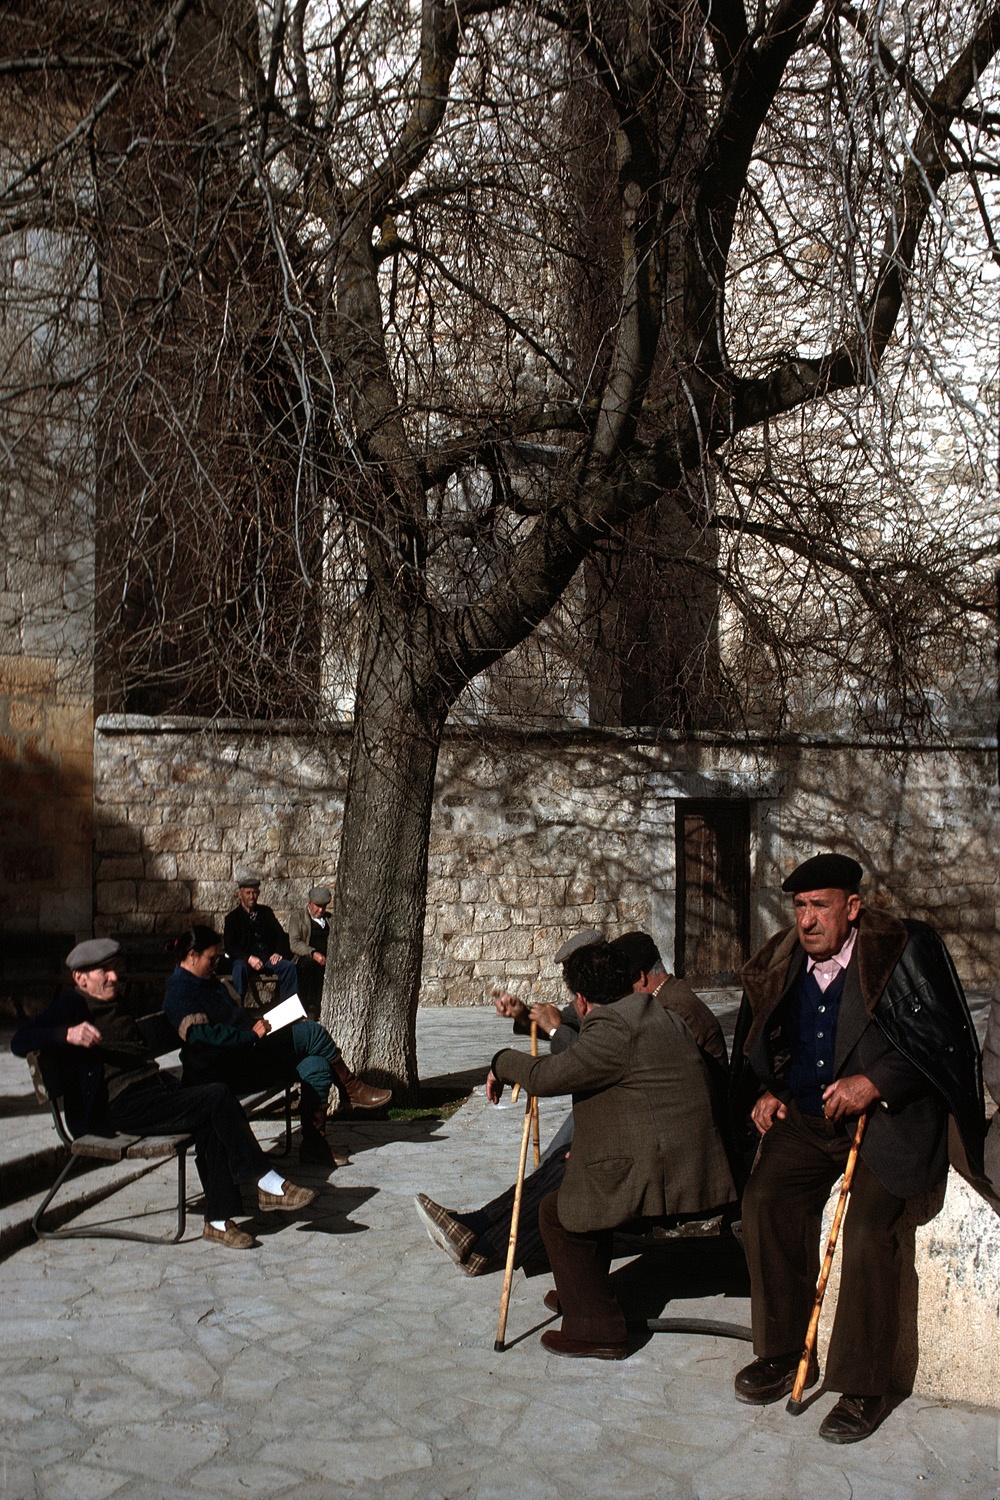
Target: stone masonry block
x=117 y=839
x=115 y=896
x=163 y=896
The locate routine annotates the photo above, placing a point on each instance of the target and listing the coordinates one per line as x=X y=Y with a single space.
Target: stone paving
x=349 y=1357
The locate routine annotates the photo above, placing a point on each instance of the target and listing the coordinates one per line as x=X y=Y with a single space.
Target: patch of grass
x=430 y=1104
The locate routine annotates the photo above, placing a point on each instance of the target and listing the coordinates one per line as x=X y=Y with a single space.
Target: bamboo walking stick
x=536 y=1142
x=795 y=1403
x=515 y=1216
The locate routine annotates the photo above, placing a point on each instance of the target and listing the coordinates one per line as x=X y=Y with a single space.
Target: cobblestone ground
x=348 y=1357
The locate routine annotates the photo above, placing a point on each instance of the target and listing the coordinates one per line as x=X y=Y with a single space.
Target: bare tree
x=407 y=312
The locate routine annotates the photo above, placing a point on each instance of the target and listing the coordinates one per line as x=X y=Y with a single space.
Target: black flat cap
x=638 y=950
x=825 y=872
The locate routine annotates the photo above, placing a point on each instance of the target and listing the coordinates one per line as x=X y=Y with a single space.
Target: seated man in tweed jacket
x=646 y=1146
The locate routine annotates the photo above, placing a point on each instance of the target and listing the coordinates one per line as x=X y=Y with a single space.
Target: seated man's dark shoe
x=551 y=1300
x=767 y=1380
x=853 y=1419
x=558 y=1343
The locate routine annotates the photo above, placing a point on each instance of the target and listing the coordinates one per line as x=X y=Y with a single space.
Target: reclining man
x=112 y=1081
x=646 y=1147
x=220 y=1041
x=831 y=1027
x=477 y=1239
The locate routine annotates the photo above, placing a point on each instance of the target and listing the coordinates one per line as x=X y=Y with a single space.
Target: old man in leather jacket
x=851 y=1011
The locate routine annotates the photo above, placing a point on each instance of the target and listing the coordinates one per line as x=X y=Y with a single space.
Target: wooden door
x=713 y=890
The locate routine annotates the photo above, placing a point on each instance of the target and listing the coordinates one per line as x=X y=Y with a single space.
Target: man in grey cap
x=255 y=940
x=111 y=1081
x=308 y=938
x=831 y=1027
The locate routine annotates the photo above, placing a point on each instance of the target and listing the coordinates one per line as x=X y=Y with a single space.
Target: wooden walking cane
x=536 y=1142
x=515 y=1216
x=795 y=1403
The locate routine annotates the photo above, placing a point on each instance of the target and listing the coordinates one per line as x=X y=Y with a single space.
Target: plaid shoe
x=445 y=1230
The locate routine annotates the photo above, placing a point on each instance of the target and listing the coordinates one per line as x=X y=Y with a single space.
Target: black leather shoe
x=853 y=1419
x=767 y=1380
x=551 y=1301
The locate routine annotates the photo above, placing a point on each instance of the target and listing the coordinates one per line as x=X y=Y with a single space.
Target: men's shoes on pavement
x=558 y=1343
x=289 y=1197
x=853 y=1419
x=767 y=1380
x=445 y=1230
x=232 y=1237
x=551 y=1301
x=361 y=1095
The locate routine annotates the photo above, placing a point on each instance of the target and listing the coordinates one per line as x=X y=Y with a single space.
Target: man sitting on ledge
x=112 y=1082
x=849 y=1012
x=255 y=941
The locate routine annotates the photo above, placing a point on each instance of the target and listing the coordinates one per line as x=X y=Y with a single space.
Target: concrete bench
x=91 y=1148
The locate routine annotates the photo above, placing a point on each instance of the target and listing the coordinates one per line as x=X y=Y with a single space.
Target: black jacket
x=243 y=937
x=903 y=1022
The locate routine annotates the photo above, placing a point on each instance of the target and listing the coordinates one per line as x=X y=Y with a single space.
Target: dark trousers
x=800 y=1159
x=581 y=1265
x=304 y=1050
x=311 y=975
x=492 y=1221
x=226 y=1150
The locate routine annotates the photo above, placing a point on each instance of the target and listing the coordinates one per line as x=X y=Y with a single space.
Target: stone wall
x=533 y=837
x=46 y=589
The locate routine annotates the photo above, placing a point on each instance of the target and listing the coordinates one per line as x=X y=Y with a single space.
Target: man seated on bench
x=256 y=941
x=220 y=1041
x=112 y=1082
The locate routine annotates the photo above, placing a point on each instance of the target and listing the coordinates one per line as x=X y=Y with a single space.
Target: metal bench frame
x=119 y=1147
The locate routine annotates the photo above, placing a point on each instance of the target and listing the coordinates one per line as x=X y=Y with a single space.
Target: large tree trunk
x=377 y=925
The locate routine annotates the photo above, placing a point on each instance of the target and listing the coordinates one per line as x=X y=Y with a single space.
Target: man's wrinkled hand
x=510 y=1006
x=547 y=1016
x=261 y=1027
x=494 y=1088
x=767 y=1109
x=849 y=1096
x=274 y=960
x=255 y=963
x=319 y=958
x=83 y=1035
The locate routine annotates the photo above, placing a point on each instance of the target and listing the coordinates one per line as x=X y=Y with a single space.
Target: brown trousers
x=581 y=1265
x=800 y=1159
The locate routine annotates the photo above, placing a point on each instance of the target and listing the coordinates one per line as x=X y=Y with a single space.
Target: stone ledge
x=948 y=1347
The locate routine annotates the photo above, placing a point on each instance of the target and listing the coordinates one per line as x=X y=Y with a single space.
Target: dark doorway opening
x=713 y=890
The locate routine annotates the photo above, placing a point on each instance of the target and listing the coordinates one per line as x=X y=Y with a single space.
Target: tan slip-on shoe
x=289 y=1197
x=232 y=1237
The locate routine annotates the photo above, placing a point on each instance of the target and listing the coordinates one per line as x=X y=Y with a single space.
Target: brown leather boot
x=360 y=1095
x=315 y=1147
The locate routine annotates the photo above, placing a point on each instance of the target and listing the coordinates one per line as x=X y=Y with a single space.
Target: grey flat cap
x=585 y=939
x=825 y=872
x=247 y=877
x=93 y=954
x=320 y=895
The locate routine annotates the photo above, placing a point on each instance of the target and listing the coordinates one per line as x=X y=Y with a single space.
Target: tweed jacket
x=242 y=938
x=903 y=1023
x=300 y=932
x=645 y=1143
